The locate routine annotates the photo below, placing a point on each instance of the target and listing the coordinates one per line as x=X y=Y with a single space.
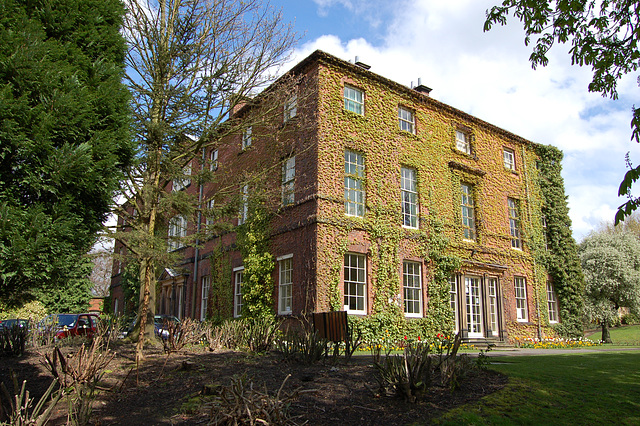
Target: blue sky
x=487 y=75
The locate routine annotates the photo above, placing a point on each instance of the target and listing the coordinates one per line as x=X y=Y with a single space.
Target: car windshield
x=67 y=320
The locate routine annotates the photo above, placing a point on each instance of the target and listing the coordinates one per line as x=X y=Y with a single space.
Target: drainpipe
x=197 y=248
x=535 y=268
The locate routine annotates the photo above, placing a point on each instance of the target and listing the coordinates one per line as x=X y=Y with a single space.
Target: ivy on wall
x=561 y=260
x=220 y=293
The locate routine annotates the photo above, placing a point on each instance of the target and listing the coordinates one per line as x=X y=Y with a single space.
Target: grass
x=585 y=389
x=623 y=335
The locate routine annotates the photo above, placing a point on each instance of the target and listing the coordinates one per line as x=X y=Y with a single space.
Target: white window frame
x=355 y=283
x=409 y=197
x=463 y=142
x=213 y=160
x=353 y=99
x=552 y=304
x=204 y=296
x=453 y=301
x=406 y=120
x=288 y=180
x=509 y=159
x=177 y=229
x=520 y=291
x=181 y=183
x=237 y=291
x=468 y=212
x=514 y=223
x=247 y=137
x=291 y=107
x=244 y=207
x=492 y=290
x=354 y=186
x=412 y=288
x=210 y=217
x=285 y=284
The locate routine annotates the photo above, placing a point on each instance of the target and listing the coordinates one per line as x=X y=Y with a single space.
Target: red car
x=69 y=325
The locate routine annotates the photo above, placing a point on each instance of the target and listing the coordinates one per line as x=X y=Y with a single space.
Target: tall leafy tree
x=64 y=138
x=611 y=265
x=604 y=34
x=191 y=64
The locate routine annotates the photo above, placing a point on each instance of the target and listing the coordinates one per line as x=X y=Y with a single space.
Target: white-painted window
x=409 y=194
x=213 y=160
x=288 y=180
x=354 y=193
x=353 y=100
x=177 y=231
x=406 y=120
x=206 y=284
x=246 y=137
x=244 y=207
x=514 y=223
x=463 y=142
x=285 y=285
x=291 y=108
x=521 y=299
x=468 y=212
x=552 y=303
x=509 y=159
x=237 y=293
x=412 y=286
x=355 y=283
x=179 y=183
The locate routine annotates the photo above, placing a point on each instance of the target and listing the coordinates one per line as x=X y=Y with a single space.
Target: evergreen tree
x=64 y=138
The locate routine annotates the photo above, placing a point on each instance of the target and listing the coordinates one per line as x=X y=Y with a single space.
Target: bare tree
x=191 y=64
x=101 y=272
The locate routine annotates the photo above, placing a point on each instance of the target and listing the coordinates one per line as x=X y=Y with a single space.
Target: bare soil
x=172 y=390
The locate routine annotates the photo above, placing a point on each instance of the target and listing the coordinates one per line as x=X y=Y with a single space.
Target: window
x=354 y=184
x=291 y=108
x=288 y=180
x=552 y=303
x=521 y=299
x=182 y=182
x=514 y=224
x=246 y=137
x=468 y=212
x=353 y=100
x=412 y=285
x=285 y=284
x=206 y=284
x=453 y=300
x=213 y=160
x=544 y=232
x=493 y=305
x=409 y=194
x=355 y=284
x=244 y=207
x=463 y=142
x=237 y=293
x=177 y=231
x=509 y=159
x=210 y=215
x=406 y=120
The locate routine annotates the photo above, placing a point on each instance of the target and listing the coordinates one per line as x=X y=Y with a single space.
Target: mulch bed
x=165 y=391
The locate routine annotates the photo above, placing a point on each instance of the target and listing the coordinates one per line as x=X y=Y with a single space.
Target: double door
x=478 y=312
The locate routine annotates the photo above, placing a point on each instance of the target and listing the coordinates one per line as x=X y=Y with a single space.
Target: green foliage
x=35 y=311
x=611 y=264
x=64 y=132
x=220 y=293
x=602 y=35
x=257 y=279
x=561 y=259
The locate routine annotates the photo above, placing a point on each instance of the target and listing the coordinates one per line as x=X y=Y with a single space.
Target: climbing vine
x=561 y=260
x=220 y=293
x=253 y=243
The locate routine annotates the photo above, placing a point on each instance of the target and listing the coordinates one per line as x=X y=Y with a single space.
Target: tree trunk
x=606 y=337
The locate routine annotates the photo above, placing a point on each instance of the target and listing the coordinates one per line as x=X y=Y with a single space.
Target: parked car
x=159 y=324
x=8 y=324
x=68 y=325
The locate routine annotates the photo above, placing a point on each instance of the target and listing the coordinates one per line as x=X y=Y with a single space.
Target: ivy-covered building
x=372 y=197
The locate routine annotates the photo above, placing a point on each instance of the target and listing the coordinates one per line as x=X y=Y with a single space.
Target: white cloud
x=489 y=75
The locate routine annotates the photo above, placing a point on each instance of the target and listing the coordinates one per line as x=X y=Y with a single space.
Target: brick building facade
x=370 y=177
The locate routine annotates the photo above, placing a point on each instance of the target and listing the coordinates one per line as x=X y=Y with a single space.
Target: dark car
x=9 y=324
x=68 y=325
x=160 y=325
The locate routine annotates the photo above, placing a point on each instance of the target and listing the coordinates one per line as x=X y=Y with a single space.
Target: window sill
x=413 y=315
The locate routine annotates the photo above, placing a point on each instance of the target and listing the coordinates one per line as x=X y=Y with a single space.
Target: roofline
x=326 y=58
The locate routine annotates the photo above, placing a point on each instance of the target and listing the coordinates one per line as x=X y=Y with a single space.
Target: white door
x=474 y=306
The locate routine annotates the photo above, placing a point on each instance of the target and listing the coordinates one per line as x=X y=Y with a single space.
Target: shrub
x=630 y=319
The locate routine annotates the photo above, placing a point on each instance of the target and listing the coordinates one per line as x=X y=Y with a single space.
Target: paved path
x=528 y=351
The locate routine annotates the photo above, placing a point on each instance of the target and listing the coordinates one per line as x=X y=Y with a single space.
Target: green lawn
x=624 y=335
x=573 y=389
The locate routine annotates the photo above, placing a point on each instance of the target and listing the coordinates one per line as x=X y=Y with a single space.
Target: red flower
x=405 y=337
x=418 y=337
